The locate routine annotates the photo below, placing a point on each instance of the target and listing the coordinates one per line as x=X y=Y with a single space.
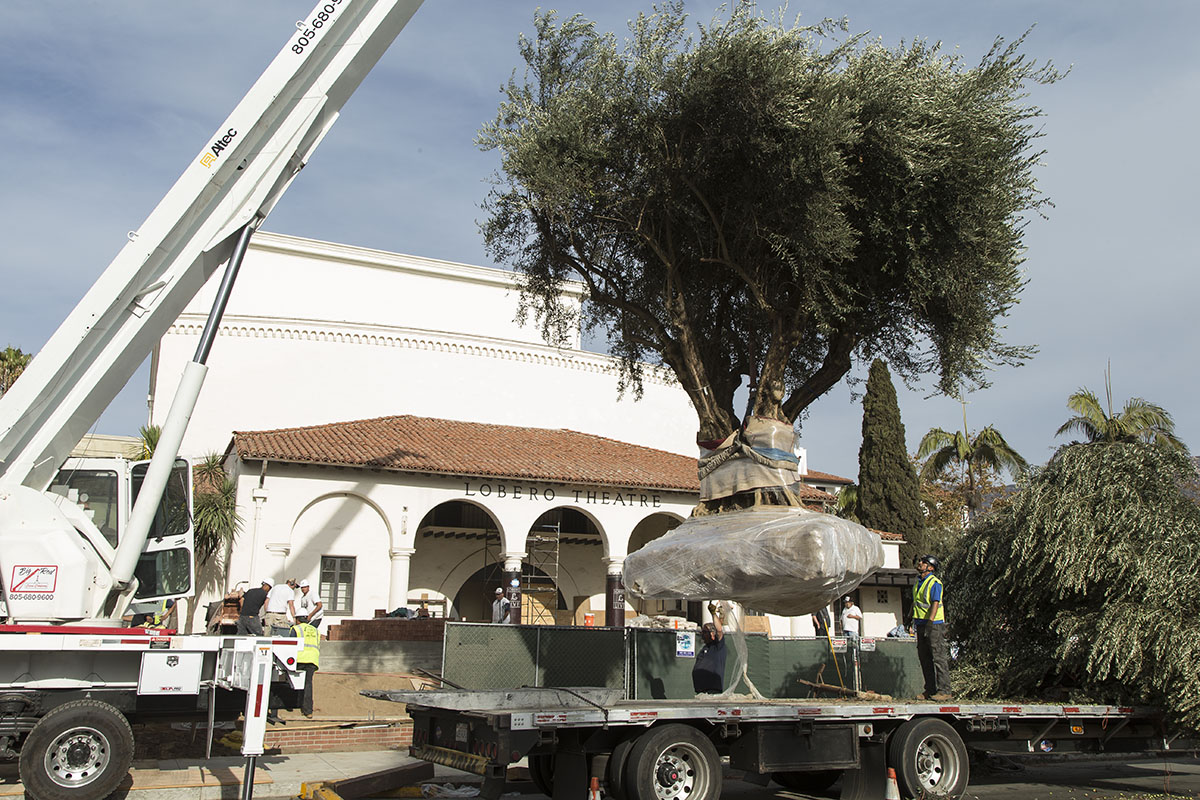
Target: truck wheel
x=807 y=782
x=81 y=749
x=673 y=762
x=614 y=779
x=541 y=772
x=930 y=759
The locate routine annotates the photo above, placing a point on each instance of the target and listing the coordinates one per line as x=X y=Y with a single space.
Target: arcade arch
x=646 y=531
x=454 y=541
x=330 y=532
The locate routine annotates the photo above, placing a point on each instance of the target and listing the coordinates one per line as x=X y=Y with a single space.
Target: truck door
x=166 y=567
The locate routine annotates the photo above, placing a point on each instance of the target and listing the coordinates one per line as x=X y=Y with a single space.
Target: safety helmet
x=931 y=561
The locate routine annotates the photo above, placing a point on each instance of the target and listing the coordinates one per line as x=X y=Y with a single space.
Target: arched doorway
x=566 y=546
x=646 y=531
x=455 y=540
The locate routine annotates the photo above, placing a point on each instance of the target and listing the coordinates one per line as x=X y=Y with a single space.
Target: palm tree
x=217 y=522
x=846 y=506
x=144 y=450
x=1139 y=421
x=987 y=450
x=12 y=364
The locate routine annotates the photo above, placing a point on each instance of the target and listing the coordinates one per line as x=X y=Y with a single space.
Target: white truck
x=81 y=541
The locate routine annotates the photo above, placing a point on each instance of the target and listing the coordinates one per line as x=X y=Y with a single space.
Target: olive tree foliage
x=750 y=197
x=1086 y=585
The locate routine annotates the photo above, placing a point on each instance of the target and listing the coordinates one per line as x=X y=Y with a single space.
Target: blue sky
x=105 y=103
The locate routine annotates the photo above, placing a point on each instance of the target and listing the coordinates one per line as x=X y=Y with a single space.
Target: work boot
x=942 y=696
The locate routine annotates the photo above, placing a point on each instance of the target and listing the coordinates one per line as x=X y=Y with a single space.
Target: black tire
x=930 y=759
x=614 y=779
x=807 y=782
x=541 y=772
x=673 y=762
x=79 y=751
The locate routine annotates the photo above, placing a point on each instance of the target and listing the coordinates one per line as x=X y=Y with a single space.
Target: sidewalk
x=276 y=776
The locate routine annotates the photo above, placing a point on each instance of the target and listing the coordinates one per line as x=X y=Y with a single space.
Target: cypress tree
x=889 y=497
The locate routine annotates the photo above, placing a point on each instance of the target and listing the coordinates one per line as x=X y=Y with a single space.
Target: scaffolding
x=540 y=582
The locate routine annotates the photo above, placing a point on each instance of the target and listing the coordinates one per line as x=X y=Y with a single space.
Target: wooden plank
x=382 y=781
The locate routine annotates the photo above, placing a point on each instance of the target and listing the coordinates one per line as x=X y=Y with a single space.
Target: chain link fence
x=653 y=664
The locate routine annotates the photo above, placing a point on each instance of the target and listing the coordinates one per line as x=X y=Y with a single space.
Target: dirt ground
x=336 y=700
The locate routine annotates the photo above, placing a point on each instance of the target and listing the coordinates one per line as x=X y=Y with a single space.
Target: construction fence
x=657 y=664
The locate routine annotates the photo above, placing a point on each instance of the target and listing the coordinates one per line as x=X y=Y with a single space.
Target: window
x=173 y=516
x=337 y=584
x=97 y=496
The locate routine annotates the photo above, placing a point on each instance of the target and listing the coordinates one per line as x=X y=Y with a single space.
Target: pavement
x=275 y=776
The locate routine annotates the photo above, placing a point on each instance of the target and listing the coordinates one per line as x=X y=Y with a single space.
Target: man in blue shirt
x=929 y=621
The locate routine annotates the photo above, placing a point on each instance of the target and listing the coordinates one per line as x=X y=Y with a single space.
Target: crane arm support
x=233 y=182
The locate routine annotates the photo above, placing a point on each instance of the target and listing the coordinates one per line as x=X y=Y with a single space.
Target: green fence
x=479 y=656
x=656 y=664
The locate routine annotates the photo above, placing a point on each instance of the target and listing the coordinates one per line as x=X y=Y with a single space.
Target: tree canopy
x=767 y=200
x=12 y=364
x=888 y=491
x=1086 y=585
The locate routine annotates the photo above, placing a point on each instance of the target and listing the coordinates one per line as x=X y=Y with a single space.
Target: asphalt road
x=1075 y=780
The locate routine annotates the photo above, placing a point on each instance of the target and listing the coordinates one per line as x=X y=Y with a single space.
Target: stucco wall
x=317 y=333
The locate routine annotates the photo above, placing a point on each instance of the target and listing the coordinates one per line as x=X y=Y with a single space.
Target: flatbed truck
x=575 y=738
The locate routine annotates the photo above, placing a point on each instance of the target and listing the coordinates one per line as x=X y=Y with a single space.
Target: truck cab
x=95 y=496
x=106 y=488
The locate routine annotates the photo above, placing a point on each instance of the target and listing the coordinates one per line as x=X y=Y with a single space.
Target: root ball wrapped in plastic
x=787 y=561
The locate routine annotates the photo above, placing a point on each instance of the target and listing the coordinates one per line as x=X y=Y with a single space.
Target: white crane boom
x=232 y=183
x=206 y=219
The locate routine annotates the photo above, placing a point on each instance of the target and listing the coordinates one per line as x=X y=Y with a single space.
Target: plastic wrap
x=787 y=561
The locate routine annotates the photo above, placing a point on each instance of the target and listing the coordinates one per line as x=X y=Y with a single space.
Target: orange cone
x=594 y=789
x=893 y=791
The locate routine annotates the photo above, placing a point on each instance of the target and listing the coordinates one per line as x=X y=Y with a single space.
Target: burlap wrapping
x=787 y=561
x=760 y=455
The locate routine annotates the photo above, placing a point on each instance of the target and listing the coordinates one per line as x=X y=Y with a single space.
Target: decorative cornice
x=454 y=344
x=354 y=255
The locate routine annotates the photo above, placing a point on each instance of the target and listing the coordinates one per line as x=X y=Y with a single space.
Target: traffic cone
x=594 y=789
x=893 y=791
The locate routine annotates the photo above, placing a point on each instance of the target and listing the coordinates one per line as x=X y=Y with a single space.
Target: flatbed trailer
x=673 y=749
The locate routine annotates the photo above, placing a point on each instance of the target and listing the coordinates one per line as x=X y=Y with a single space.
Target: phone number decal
x=311 y=31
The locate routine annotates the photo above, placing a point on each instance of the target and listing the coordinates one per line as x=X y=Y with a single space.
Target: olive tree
x=1086 y=584
x=750 y=197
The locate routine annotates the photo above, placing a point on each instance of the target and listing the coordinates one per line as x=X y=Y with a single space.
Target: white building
x=396 y=438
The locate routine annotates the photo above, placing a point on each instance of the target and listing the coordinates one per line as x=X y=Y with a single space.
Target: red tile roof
x=825 y=477
x=423 y=444
x=451 y=447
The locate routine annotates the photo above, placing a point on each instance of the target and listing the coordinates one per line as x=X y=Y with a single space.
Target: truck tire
x=614 y=779
x=80 y=750
x=541 y=772
x=930 y=759
x=673 y=762
x=807 y=782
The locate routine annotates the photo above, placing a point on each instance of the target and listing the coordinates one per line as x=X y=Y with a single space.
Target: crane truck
x=80 y=541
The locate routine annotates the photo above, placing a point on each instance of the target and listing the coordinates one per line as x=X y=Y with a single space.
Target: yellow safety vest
x=923 y=600
x=311 y=654
x=160 y=615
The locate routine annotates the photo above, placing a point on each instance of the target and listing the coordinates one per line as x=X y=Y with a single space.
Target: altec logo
x=214 y=151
